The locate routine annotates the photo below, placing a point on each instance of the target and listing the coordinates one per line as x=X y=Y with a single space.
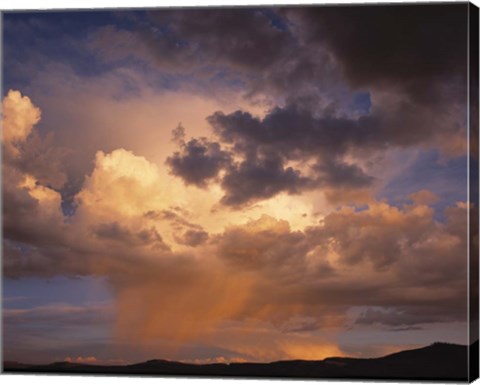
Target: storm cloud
x=422 y=55
x=316 y=192
x=308 y=66
x=199 y=161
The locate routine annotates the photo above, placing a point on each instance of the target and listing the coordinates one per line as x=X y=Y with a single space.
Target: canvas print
x=281 y=191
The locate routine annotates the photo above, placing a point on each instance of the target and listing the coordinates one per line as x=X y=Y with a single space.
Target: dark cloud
x=258 y=178
x=114 y=231
x=340 y=174
x=241 y=37
x=198 y=39
x=300 y=52
x=289 y=134
x=253 y=47
x=404 y=318
x=24 y=220
x=418 y=48
x=294 y=132
x=40 y=157
x=27 y=332
x=178 y=134
x=36 y=260
x=266 y=145
x=297 y=133
x=192 y=238
x=198 y=162
x=410 y=59
x=264 y=243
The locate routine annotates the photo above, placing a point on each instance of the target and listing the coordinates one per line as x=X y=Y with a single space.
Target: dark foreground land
x=445 y=362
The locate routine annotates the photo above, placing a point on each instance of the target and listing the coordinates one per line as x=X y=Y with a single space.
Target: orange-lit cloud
x=19 y=117
x=283 y=276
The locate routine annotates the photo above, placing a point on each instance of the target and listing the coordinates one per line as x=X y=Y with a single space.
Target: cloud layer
x=229 y=173
x=129 y=228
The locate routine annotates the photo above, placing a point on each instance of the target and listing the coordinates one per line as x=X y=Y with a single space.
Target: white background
x=101 y=380
x=48 y=4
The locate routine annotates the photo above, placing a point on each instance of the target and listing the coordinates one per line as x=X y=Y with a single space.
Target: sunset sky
x=223 y=185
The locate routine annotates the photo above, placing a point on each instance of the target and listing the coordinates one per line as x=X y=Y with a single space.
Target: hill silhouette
x=439 y=361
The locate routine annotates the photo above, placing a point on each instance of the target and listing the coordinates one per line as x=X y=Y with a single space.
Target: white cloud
x=19 y=117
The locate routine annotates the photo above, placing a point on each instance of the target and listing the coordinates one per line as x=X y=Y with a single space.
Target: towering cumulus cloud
x=221 y=185
x=19 y=117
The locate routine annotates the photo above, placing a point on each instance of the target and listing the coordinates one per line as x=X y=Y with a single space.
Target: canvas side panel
x=473 y=191
x=1 y=199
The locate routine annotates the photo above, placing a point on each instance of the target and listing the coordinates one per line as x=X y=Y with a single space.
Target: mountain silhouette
x=439 y=361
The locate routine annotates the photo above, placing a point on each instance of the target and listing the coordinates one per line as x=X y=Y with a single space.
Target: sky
x=230 y=185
